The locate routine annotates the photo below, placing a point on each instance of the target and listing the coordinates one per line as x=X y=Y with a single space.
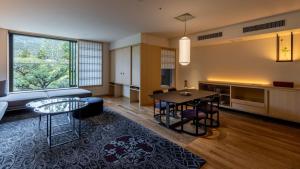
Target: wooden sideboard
x=276 y=102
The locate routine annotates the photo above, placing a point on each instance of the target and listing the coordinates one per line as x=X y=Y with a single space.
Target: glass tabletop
x=61 y=107
x=38 y=103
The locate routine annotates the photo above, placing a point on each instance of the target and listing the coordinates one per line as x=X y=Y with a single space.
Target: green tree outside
x=40 y=63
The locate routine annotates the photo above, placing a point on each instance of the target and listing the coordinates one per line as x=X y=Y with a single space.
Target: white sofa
x=3 y=106
x=18 y=101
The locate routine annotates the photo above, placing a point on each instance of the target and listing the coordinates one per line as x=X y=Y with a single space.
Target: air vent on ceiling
x=264 y=26
x=210 y=36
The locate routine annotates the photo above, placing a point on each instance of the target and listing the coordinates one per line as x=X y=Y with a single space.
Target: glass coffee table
x=34 y=104
x=58 y=106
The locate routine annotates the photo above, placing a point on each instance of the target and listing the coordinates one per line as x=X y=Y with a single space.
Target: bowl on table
x=185 y=93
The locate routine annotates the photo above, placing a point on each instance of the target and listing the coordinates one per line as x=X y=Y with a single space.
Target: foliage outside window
x=38 y=63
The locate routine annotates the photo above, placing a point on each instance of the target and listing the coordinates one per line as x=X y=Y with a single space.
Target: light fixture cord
x=184 y=26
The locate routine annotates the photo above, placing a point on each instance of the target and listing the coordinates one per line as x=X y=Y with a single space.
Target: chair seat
x=212 y=110
x=190 y=113
x=163 y=105
x=95 y=107
x=92 y=100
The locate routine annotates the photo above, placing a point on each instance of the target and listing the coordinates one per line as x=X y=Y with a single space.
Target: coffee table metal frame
x=49 y=126
x=31 y=106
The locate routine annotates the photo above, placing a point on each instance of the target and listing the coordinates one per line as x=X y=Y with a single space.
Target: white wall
x=138 y=39
x=239 y=57
x=250 y=61
x=235 y=32
x=127 y=41
x=155 y=40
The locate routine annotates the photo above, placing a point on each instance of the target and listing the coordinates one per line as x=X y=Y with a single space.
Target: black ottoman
x=95 y=107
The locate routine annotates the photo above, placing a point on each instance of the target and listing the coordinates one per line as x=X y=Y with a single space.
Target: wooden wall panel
x=150 y=72
x=3 y=54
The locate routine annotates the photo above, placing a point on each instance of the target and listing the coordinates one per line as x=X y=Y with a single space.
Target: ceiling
x=109 y=20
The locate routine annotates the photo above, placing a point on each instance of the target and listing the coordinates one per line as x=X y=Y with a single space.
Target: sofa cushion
x=3 y=91
x=95 y=107
x=69 y=92
x=19 y=100
x=92 y=100
x=3 y=106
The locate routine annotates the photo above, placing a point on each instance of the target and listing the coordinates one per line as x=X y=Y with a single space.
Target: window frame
x=175 y=69
x=11 y=58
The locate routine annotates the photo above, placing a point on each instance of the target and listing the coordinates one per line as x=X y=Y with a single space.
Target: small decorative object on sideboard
x=185 y=93
x=185 y=84
x=283 y=84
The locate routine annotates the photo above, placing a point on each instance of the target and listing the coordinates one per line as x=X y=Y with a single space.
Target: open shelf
x=222 y=94
x=248 y=99
x=248 y=94
x=225 y=100
x=222 y=90
x=244 y=98
x=246 y=102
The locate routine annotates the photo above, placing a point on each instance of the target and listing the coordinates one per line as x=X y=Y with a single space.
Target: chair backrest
x=158 y=91
x=172 y=89
x=202 y=105
x=215 y=100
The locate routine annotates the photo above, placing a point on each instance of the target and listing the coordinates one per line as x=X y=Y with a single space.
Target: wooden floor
x=241 y=142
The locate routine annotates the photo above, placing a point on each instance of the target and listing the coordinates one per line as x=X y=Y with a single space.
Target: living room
x=149 y=84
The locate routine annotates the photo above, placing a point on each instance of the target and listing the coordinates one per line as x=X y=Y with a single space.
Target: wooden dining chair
x=158 y=104
x=213 y=110
x=172 y=89
x=197 y=114
x=161 y=105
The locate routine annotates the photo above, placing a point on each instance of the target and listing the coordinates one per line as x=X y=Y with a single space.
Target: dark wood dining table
x=178 y=98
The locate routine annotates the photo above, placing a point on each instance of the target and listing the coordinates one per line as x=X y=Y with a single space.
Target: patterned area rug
x=108 y=141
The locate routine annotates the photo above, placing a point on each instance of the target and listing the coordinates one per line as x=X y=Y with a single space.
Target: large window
x=168 y=62
x=38 y=63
